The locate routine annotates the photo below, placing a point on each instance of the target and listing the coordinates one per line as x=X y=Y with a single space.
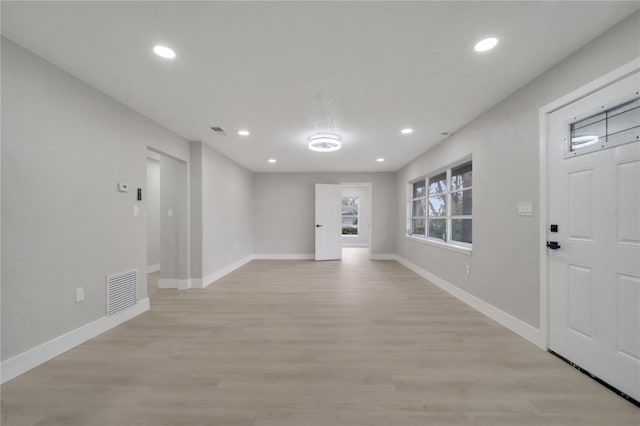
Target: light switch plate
x=525 y=208
x=170 y=212
x=136 y=211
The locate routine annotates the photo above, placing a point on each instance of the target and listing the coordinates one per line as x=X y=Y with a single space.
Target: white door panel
x=594 y=277
x=328 y=222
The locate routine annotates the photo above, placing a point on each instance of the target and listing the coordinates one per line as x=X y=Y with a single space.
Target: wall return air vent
x=122 y=291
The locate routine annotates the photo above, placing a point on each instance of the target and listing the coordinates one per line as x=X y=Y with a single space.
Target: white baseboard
x=20 y=364
x=514 y=324
x=153 y=268
x=283 y=256
x=204 y=282
x=383 y=256
x=174 y=283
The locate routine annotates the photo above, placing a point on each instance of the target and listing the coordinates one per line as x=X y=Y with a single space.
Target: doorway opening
x=356 y=212
x=167 y=222
x=152 y=198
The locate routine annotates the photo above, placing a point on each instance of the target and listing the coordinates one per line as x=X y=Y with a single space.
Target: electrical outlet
x=79 y=294
x=468 y=269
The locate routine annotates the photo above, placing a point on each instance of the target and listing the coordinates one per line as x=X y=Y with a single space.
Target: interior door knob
x=318 y=226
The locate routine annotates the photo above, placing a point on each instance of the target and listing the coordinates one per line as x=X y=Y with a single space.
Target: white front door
x=328 y=222
x=594 y=199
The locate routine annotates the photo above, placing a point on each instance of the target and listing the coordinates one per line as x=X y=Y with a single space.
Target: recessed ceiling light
x=379 y=160
x=272 y=160
x=244 y=132
x=406 y=131
x=486 y=44
x=324 y=142
x=164 y=52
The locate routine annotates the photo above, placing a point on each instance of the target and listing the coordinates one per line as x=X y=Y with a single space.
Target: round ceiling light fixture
x=164 y=52
x=244 y=132
x=406 y=131
x=486 y=44
x=324 y=142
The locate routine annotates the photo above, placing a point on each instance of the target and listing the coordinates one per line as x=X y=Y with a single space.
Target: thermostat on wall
x=123 y=187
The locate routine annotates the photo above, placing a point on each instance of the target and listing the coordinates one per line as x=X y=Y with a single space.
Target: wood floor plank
x=305 y=343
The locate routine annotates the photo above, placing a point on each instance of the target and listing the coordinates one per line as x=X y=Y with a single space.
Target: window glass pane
x=438 y=184
x=349 y=220
x=417 y=226
x=438 y=205
x=624 y=136
x=461 y=230
x=589 y=120
x=617 y=125
x=461 y=202
x=418 y=189
x=438 y=228
x=624 y=107
x=419 y=208
x=349 y=230
x=350 y=205
x=624 y=121
x=588 y=135
x=461 y=177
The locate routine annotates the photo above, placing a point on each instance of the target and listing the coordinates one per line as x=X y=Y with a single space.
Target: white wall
x=152 y=197
x=65 y=148
x=284 y=210
x=504 y=145
x=364 y=216
x=223 y=230
x=227 y=205
x=174 y=222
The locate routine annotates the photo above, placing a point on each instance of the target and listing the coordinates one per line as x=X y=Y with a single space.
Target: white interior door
x=328 y=222
x=594 y=199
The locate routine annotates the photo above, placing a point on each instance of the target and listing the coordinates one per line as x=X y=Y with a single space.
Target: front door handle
x=553 y=245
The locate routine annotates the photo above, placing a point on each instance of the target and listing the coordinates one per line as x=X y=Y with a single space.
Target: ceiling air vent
x=219 y=131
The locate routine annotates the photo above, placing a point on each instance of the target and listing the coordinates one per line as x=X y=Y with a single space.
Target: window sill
x=447 y=246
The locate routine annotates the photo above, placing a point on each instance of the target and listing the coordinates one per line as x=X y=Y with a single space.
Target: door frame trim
x=599 y=83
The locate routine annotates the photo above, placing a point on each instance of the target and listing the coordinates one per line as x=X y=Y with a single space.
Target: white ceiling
x=286 y=70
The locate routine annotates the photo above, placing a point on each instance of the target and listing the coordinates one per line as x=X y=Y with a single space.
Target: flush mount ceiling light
x=486 y=44
x=324 y=142
x=380 y=160
x=164 y=52
x=244 y=132
x=406 y=131
x=272 y=160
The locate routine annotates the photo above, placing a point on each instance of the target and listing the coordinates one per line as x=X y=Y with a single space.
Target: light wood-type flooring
x=303 y=343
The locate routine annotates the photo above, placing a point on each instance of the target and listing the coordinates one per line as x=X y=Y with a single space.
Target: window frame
x=449 y=243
